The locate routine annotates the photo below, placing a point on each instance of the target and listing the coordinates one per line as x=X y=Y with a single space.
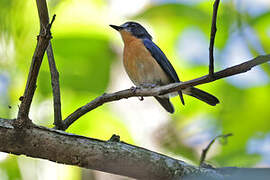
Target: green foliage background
x=86 y=49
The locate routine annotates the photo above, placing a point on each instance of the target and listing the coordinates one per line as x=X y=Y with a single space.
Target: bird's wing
x=161 y=59
x=164 y=63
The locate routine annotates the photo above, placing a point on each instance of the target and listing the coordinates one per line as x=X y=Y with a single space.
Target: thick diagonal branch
x=42 y=44
x=26 y=99
x=240 y=68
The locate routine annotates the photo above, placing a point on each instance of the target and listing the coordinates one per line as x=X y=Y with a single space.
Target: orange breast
x=140 y=66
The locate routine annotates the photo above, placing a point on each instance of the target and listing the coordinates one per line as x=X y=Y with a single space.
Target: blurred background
x=88 y=55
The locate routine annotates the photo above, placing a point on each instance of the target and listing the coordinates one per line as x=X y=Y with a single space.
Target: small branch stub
x=204 y=151
x=114 y=138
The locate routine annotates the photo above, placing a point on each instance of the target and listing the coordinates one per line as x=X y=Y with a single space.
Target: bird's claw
x=134 y=88
x=148 y=85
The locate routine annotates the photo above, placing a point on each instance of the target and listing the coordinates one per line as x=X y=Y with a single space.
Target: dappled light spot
x=260 y=145
x=192 y=46
x=237 y=51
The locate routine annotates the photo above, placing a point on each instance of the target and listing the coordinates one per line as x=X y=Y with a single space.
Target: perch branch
x=237 y=69
x=212 y=38
x=42 y=44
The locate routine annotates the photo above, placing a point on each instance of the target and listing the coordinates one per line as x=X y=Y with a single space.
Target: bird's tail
x=165 y=102
x=201 y=95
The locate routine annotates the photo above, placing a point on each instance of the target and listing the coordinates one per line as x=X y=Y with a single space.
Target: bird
x=147 y=65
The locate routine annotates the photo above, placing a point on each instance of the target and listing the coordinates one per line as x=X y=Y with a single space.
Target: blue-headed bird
x=147 y=66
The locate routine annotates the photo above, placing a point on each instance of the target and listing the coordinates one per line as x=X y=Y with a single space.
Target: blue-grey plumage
x=145 y=63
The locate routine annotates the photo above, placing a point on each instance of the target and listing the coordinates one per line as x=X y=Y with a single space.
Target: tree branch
x=235 y=173
x=42 y=44
x=56 y=88
x=109 y=156
x=212 y=38
x=30 y=88
x=44 y=20
x=105 y=98
x=43 y=41
x=42 y=14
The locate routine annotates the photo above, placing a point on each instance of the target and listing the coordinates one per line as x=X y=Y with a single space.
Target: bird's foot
x=134 y=88
x=148 y=85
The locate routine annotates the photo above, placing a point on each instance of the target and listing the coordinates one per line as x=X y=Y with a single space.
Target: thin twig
x=42 y=44
x=204 y=151
x=212 y=38
x=55 y=87
x=44 y=22
x=53 y=19
x=240 y=68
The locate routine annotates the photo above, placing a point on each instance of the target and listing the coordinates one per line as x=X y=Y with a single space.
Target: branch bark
x=110 y=156
x=107 y=156
x=105 y=98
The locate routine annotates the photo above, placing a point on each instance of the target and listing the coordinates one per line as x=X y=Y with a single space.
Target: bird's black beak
x=117 y=28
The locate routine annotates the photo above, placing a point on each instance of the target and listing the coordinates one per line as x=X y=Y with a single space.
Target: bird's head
x=133 y=29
